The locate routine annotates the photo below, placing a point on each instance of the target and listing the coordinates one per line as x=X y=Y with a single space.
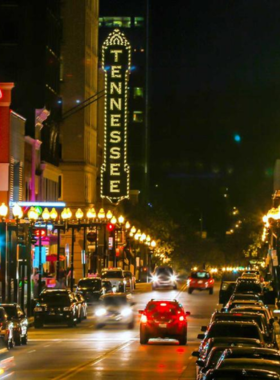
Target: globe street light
x=3 y=211
x=46 y=215
x=17 y=212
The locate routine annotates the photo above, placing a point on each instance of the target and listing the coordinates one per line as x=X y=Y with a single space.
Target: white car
x=116 y=277
x=115 y=309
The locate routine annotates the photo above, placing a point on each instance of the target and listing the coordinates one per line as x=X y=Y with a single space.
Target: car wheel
x=131 y=325
x=24 y=340
x=144 y=338
x=182 y=340
x=38 y=325
x=71 y=323
x=211 y=290
x=17 y=341
x=190 y=290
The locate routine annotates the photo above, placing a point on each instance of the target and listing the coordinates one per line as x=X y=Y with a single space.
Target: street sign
x=110 y=243
x=91 y=237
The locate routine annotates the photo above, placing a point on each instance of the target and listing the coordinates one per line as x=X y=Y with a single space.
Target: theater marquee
x=116 y=59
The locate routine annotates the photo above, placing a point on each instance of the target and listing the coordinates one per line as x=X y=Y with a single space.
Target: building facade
x=79 y=82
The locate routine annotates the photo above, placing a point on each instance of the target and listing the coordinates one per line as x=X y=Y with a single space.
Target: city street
x=85 y=353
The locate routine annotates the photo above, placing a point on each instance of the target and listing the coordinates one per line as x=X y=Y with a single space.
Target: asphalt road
x=114 y=353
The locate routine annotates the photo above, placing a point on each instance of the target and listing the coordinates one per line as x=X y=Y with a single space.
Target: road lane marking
x=30 y=352
x=79 y=368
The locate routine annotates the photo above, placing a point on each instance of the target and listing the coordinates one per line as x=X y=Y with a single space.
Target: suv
x=162 y=319
x=227 y=286
x=55 y=305
x=163 y=277
x=116 y=277
x=20 y=323
x=90 y=288
x=200 y=280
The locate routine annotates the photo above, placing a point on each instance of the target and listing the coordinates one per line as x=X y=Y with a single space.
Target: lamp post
x=66 y=215
x=3 y=248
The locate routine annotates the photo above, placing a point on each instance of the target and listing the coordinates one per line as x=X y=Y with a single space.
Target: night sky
x=215 y=79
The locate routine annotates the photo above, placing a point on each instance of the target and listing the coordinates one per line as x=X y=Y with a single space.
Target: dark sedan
x=55 y=306
x=90 y=289
x=240 y=374
x=19 y=321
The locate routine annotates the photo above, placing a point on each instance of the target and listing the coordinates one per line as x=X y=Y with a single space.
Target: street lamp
x=101 y=214
x=109 y=215
x=91 y=214
x=3 y=211
x=121 y=219
x=79 y=214
x=46 y=215
x=127 y=225
x=17 y=212
x=114 y=220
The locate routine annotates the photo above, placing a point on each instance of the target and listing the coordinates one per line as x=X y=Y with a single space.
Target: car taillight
x=181 y=318
x=144 y=318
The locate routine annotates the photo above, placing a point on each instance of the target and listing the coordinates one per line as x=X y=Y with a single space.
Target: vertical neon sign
x=116 y=62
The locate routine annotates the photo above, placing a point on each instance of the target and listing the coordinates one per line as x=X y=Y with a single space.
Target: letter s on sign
x=115 y=137
x=115 y=153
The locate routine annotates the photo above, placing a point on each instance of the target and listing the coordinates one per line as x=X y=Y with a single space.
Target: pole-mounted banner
x=116 y=61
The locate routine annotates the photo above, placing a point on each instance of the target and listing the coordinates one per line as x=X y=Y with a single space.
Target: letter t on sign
x=116 y=54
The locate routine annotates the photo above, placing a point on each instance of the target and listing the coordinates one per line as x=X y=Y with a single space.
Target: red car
x=200 y=280
x=162 y=319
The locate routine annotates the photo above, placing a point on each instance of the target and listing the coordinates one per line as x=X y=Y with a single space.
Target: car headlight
x=154 y=278
x=38 y=308
x=126 y=312
x=173 y=277
x=124 y=281
x=100 y=312
x=114 y=288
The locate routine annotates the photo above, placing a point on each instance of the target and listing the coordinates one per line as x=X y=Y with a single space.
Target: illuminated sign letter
x=116 y=56
x=115 y=137
x=116 y=72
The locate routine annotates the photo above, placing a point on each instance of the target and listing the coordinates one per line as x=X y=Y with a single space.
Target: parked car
x=55 y=306
x=228 y=283
x=225 y=342
x=231 y=329
x=161 y=319
x=240 y=374
x=200 y=280
x=250 y=286
x=6 y=330
x=211 y=361
x=90 y=288
x=130 y=280
x=20 y=323
x=248 y=364
x=115 y=309
x=250 y=352
x=116 y=277
x=164 y=277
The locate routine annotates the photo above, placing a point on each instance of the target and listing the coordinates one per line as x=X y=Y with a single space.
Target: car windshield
x=90 y=283
x=114 y=301
x=249 y=310
x=11 y=311
x=245 y=297
x=112 y=274
x=214 y=357
x=59 y=299
x=256 y=364
x=200 y=275
x=232 y=330
x=162 y=307
x=165 y=271
x=248 y=287
x=240 y=317
x=230 y=276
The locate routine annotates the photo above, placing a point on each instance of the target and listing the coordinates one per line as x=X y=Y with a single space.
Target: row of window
x=121 y=22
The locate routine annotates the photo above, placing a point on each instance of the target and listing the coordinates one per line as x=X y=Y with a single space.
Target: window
x=111 y=22
x=138 y=92
x=139 y=21
x=138 y=117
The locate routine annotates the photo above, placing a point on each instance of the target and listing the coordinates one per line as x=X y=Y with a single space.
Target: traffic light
x=110 y=227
